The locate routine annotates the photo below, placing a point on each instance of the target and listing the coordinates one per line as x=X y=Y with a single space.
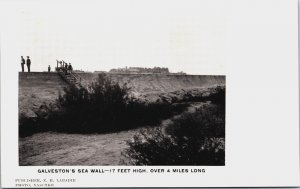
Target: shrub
x=192 y=139
x=206 y=121
x=219 y=96
x=215 y=94
x=27 y=126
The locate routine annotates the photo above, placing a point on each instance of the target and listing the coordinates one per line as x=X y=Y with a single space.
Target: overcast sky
x=187 y=36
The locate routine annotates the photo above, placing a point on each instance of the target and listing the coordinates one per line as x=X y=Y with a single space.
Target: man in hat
x=22 y=63
x=28 y=63
x=70 y=68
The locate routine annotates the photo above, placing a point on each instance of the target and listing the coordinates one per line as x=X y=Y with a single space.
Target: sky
x=188 y=36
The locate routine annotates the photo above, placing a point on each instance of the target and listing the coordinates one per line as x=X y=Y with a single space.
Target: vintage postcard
x=141 y=93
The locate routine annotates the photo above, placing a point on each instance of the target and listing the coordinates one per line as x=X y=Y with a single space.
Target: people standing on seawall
x=28 y=63
x=49 y=68
x=22 y=63
x=70 y=68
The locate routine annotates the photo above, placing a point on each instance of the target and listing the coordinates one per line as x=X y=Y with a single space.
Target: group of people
x=28 y=63
x=61 y=65
x=65 y=67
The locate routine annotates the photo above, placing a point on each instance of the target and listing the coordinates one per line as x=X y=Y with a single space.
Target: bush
x=192 y=139
x=219 y=96
x=27 y=126
x=96 y=108
x=215 y=94
x=206 y=122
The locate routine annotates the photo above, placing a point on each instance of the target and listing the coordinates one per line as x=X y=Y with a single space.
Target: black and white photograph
x=149 y=93
x=107 y=89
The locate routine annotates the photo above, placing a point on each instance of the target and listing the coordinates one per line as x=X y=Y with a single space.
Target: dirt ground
x=73 y=149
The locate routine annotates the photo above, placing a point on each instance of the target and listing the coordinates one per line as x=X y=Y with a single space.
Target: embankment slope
x=38 y=88
x=142 y=83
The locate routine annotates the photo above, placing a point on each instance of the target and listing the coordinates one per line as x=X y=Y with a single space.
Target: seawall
x=145 y=83
x=38 y=88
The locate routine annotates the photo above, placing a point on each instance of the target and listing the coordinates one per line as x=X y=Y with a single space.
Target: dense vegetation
x=104 y=106
x=196 y=138
x=215 y=94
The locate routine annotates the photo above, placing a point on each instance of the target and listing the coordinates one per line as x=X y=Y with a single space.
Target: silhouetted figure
x=49 y=68
x=70 y=68
x=28 y=63
x=63 y=68
x=22 y=63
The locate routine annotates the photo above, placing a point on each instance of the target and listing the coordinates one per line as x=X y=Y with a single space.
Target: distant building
x=140 y=70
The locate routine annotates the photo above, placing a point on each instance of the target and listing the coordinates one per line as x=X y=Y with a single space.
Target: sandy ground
x=78 y=149
x=73 y=149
